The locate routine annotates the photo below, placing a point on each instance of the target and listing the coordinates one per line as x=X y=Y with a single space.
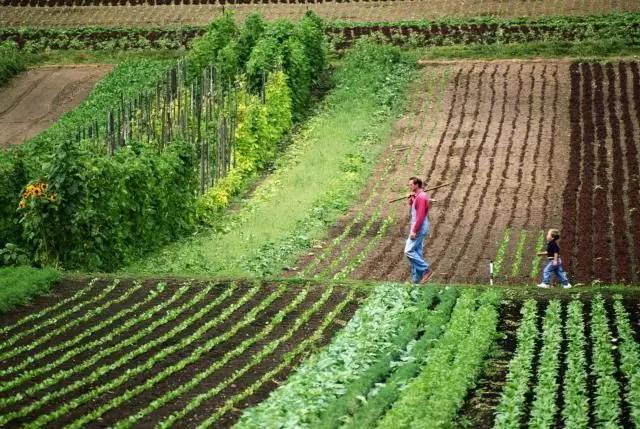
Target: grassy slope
x=18 y=285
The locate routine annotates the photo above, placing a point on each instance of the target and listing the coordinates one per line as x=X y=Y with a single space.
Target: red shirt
x=420 y=202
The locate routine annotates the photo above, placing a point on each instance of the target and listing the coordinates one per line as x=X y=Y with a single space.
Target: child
x=554 y=264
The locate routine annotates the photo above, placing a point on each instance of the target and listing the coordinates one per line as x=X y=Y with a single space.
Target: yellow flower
x=22 y=204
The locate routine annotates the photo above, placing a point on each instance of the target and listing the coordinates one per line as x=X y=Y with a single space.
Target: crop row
x=511 y=407
x=604 y=101
x=321 y=380
x=384 y=383
x=607 y=395
x=117 y=369
x=359 y=388
x=36 y=315
x=72 y=349
x=341 y=34
x=580 y=383
x=287 y=360
x=629 y=360
x=425 y=365
x=60 y=375
x=68 y=3
x=9 y=342
x=433 y=398
x=575 y=412
x=543 y=410
x=150 y=383
x=122 y=360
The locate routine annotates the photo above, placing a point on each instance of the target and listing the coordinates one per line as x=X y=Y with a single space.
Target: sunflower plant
x=38 y=197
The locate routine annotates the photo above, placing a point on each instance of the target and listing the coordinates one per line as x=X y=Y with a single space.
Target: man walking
x=419 y=204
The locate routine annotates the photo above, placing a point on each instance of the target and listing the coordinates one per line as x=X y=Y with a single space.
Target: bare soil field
x=35 y=99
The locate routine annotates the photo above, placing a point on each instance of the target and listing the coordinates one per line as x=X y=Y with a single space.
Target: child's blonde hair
x=555 y=233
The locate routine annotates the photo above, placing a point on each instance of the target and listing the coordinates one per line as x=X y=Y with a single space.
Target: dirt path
x=34 y=100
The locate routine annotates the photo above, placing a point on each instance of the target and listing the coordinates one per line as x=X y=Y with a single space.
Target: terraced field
x=160 y=12
x=510 y=137
x=130 y=354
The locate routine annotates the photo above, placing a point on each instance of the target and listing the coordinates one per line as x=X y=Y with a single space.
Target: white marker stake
x=491 y=273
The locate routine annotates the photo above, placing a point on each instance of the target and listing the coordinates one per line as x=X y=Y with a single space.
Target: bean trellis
x=202 y=110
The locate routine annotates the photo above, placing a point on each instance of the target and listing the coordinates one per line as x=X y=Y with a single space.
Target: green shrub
x=215 y=46
x=11 y=61
x=98 y=212
x=252 y=30
x=12 y=178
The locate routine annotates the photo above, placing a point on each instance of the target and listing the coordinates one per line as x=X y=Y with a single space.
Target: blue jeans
x=558 y=270
x=413 y=250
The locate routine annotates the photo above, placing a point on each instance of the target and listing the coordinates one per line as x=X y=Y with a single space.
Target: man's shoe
x=567 y=286
x=543 y=285
x=425 y=277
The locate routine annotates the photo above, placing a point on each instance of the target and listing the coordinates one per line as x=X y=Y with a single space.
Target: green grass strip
x=330 y=159
x=374 y=192
x=19 y=285
x=511 y=408
x=543 y=411
x=591 y=50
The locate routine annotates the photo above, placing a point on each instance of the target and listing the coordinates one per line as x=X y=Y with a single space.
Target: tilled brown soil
x=601 y=217
x=35 y=99
x=166 y=12
x=526 y=146
x=498 y=131
x=68 y=374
